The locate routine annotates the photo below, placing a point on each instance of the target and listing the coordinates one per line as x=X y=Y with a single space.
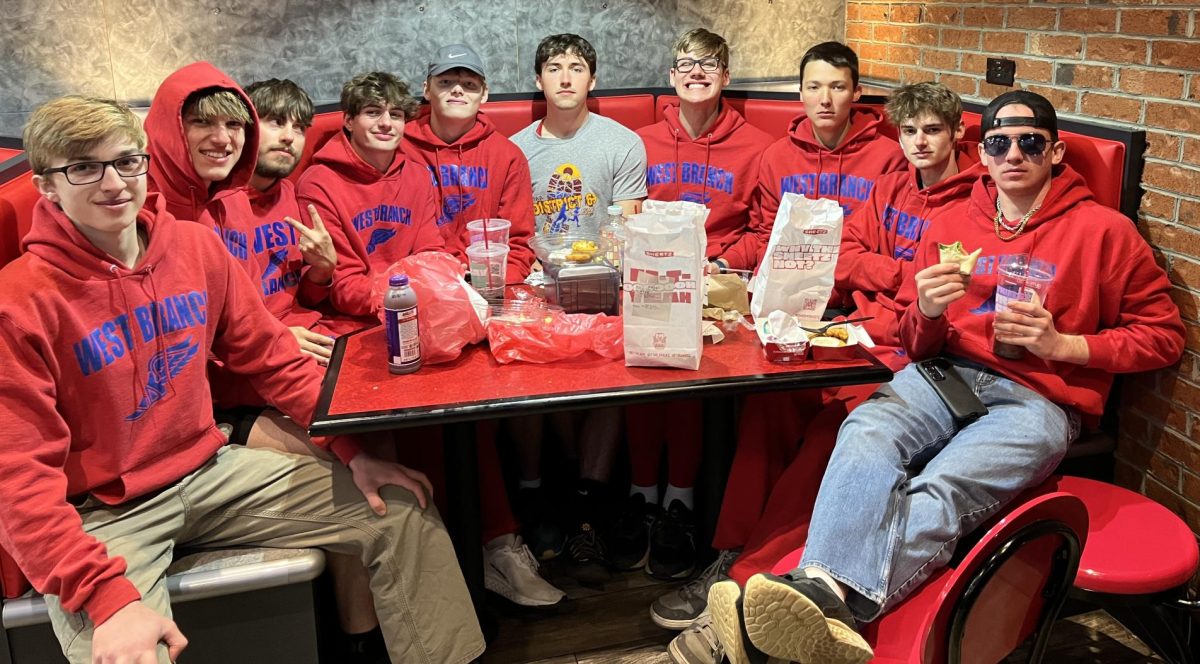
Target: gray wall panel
x=124 y=48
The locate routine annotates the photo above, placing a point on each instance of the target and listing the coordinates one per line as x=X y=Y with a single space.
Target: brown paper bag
x=728 y=292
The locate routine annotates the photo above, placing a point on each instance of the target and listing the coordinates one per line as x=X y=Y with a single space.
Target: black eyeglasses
x=709 y=65
x=87 y=172
x=999 y=144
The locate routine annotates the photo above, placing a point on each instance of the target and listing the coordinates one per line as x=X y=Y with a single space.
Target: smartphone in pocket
x=962 y=402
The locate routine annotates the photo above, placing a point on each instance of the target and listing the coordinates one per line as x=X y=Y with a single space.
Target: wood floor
x=612 y=625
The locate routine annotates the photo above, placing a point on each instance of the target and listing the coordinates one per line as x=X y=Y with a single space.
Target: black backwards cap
x=1044 y=116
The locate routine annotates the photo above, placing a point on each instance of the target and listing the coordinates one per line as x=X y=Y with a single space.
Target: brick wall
x=1135 y=63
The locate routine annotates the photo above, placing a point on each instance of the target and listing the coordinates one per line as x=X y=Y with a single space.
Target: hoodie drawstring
x=139 y=391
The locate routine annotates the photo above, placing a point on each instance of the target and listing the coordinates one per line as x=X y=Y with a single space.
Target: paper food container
x=830 y=349
x=797 y=345
x=776 y=350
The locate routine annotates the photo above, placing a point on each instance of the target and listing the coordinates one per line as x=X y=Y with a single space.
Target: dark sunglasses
x=999 y=144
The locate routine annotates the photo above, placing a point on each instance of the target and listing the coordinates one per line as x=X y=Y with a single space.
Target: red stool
x=1010 y=584
x=1139 y=556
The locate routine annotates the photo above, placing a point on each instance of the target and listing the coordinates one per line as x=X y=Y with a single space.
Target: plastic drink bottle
x=612 y=233
x=400 y=322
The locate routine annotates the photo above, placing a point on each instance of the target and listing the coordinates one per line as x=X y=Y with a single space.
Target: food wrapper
x=727 y=291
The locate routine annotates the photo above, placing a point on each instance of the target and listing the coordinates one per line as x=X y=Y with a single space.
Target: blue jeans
x=905 y=482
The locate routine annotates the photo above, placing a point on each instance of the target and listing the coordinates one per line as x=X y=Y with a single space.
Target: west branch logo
x=275 y=262
x=163 y=366
x=378 y=237
x=453 y=205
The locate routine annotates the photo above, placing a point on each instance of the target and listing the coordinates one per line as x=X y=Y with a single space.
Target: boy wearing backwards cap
x=897 y=496
x=104 y=480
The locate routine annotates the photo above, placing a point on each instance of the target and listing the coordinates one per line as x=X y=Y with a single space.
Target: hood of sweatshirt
x=1067 y=190
x=56 y=240
x=340 y=156
x=865 y=125
x=728 y=121
x=171 y=168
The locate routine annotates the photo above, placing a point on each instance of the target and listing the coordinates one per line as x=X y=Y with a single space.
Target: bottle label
x=404 y=342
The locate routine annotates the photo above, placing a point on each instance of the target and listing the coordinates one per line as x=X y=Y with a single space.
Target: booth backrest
x=17 y=198
x=508 y=115
x=1100 y=161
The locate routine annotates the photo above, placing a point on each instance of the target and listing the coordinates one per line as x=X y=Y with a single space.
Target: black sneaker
x=673 y=544
x=801 y=619
x=586 y=552
x=629 y=538
x=678 y=608
x=544 y=537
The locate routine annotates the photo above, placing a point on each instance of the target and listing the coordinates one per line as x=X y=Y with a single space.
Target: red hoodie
x=717 y=169
x=799 y=163
x=373 y=218
x=172 y=172
x=879 y=241
x=102 y=377
x=482 y=175
x=1107 y=287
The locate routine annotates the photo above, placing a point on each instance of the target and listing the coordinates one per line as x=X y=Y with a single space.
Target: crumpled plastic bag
x=546 y=335
x=450 y=314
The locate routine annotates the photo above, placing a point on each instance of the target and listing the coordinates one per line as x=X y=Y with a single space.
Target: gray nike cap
x=453 y=57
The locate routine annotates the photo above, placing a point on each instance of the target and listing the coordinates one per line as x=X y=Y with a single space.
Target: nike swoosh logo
x=455 y=55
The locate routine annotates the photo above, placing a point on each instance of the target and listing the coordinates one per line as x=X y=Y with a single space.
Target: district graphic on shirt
x=564 y=201
x=163 y=366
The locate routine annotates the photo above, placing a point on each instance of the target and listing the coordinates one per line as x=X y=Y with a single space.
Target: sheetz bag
x=662 y=297
x=796 y=274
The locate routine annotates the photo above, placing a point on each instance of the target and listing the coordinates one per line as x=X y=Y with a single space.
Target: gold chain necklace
x=1014 y=229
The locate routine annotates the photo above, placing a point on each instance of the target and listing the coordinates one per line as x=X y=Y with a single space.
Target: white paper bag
x=662 y=296
x=796 y=274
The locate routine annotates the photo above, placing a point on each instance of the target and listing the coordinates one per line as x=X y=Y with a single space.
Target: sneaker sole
x=723 y=602
x=783 y=623
x=667 y=623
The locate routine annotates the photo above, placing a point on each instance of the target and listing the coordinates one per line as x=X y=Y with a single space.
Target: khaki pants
x=262 y=497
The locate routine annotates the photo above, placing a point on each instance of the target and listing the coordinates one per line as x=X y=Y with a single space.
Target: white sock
x=530 y=484
x=650 y=493
x=683 y=495
x=817 y=573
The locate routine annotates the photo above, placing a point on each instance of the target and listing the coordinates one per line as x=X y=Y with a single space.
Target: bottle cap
x=398 y=280
x=615 y=209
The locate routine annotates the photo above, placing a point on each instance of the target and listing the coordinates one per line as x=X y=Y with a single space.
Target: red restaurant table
x=359 y=395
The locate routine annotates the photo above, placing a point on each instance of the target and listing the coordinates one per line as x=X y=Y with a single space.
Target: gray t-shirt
x=576 y=179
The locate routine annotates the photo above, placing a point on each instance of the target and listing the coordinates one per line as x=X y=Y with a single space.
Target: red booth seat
x=17 y=198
